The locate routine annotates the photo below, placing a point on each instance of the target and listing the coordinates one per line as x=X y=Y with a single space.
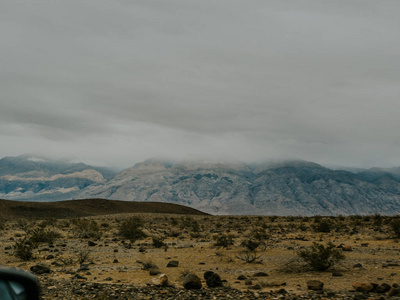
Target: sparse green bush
x=250 y=244
x=324 y=225
x=2 y=225
x=23 y=249
x=224 y=241
x=147 y=265
x=320 y=257
x=131 y=229
x=249 y=257
x=41 y=235
x=158 y=242
x=85 y=228
x=395 y=225
x=82 y=255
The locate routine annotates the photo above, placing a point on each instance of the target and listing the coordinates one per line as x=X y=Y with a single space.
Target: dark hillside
x=86 y=207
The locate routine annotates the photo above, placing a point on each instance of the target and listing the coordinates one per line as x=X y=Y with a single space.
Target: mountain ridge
x=278 y=188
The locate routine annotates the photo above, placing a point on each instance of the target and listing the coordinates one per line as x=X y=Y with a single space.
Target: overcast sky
x=116 y=82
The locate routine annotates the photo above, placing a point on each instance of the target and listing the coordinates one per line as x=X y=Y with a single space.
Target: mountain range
x=284 y=188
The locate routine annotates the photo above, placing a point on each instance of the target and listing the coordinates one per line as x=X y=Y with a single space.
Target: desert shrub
x=2 y=225
x=259 y=234
x=224 y=241
x=147 y=264
x=158 y=242
x=23 y=249
x=47 y=222
x=190 y=224
x=250 y=244
x=41 y=235
x=82 y=255
x=377 y=220
x=23 y=224
x=395 y=225
x=85 y=228
x=323 y=225
x=131 y=229
x=320 y=257
x=249 y=257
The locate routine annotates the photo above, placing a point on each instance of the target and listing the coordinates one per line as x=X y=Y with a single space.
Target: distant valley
x=285 y=188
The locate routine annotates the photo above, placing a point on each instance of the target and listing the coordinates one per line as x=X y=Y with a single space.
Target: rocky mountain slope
x=286 y=188
x=289 y=188
x=28 y=177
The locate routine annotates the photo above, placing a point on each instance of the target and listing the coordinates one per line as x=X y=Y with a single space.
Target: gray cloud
x=116 y=82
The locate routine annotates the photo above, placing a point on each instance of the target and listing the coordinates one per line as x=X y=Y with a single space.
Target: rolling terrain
x=11 y=210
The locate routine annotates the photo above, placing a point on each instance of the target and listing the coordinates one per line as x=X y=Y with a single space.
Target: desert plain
x=122 y=255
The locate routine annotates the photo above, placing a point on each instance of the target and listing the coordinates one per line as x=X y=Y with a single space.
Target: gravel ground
x=72 y=290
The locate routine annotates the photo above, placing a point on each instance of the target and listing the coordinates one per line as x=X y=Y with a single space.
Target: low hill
x=86 y=207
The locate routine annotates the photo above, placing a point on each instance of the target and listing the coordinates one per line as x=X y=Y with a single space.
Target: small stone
x=241 y=277
x=394 y=291
x=115 y=261
x=255 y=287
x=347 y=248
x=336 y=274
x=40 y=269
x=173 y=264
x=248 y=282
x=154 y=272
x=91 y=244
x=383 y=288
x=161 y=280
x=260 y=274
x=315 y=285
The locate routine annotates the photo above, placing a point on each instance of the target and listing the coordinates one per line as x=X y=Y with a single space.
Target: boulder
x=213 y=280
x=364 y=287
x=192 y=282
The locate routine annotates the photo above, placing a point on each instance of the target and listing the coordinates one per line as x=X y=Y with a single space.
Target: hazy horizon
x=111 y=83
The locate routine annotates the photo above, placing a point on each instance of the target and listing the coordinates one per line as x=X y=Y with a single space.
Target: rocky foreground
x=80 y=289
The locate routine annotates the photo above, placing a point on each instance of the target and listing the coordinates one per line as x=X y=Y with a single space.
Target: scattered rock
x=161 y=280
x=275 y=283
x=241 y=277
x=248 y=282
x=207 y=274
x=364 y=287
x=383 y=288
x=347 y=248
x=394 y=291
x=173 y=264
x=260 y=274
x=192 y=282
x=315 y=285
x=154 y=272
x=213 y=280
x=40 y=269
